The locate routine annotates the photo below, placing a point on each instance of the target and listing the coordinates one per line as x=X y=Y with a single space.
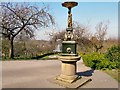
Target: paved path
x=36 y=74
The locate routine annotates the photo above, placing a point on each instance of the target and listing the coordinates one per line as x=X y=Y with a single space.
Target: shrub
x=113 y=55
x=93 y=59
x=96 y=60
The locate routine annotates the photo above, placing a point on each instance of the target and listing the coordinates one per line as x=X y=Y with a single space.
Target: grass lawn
x=114 y=73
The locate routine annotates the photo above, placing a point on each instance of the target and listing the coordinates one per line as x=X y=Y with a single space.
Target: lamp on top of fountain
x=69 y=4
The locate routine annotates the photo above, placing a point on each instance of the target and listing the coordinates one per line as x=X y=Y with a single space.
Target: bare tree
x=81 y=30
x=17 y=17
x=81 y=35
x=99 y=37
x=55 y=36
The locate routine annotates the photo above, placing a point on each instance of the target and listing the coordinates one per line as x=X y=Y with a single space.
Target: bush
x=96 y=60
x=113 y=55
x=93 y=59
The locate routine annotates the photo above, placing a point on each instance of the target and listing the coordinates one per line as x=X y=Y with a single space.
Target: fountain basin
x=69 y=58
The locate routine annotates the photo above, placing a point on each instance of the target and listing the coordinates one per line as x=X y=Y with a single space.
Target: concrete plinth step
x=77 y=84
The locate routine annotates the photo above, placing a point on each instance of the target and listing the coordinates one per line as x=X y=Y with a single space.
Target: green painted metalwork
x=69 y=44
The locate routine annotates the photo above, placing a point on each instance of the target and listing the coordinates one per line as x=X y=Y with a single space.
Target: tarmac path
x=35 y=74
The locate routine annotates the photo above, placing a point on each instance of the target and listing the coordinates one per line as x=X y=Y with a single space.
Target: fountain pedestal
x=68 y=68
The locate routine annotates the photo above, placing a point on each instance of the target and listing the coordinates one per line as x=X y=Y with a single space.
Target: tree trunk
x=11 y=49
x=96 y=49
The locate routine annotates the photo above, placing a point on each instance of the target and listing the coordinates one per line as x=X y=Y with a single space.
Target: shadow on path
x=86 y=73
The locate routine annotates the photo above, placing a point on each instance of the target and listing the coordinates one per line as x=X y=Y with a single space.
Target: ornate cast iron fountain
x=69 y=55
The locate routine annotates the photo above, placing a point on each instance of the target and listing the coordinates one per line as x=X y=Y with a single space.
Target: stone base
x=68 y=79
x=76 y=84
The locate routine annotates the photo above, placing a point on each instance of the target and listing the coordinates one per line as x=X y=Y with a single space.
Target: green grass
x=114 y=73
x=48 y=58
x=45 y=58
